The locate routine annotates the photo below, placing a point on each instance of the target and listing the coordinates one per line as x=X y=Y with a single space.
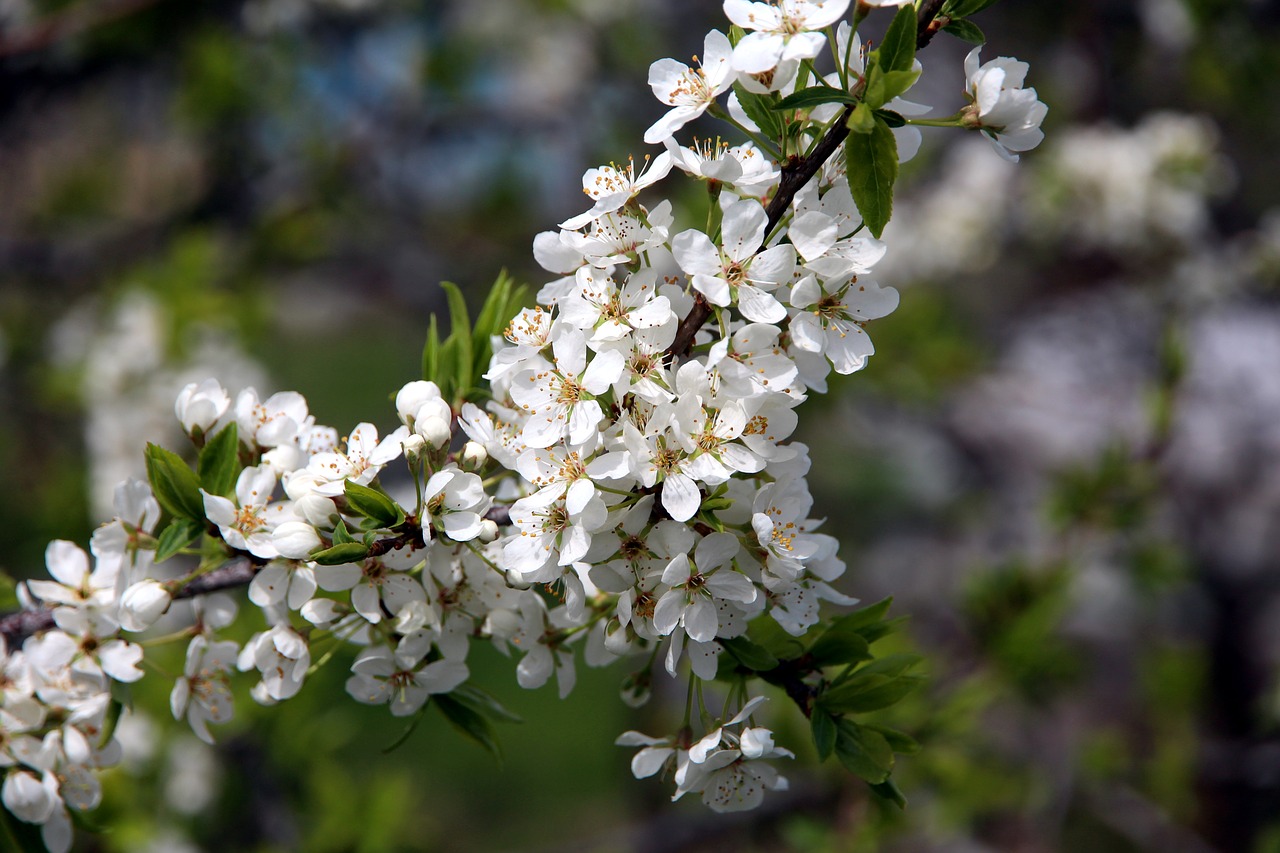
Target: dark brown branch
x=16 y=627
x=795 y=174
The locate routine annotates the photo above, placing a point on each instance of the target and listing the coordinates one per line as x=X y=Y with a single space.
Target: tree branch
x=17 y=627
x=795 y=174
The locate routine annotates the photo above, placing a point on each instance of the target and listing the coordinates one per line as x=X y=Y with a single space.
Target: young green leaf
x=901 y=742
x=460 y=332
x=839 y=644
x=482 y=703
x=823 y=726
x=431 y=351
x=814 y=96
x=469 y=722
x=373 y=504
x=863 y=752
x=348 y=552
x=175 y=485
x=759 y=109
x=897 y=49
x=861 y=120
x=219 y=464
x=870 y=695
x=751 y=655
x=889 y=790
x=965 y=30
x=180 y=533
x=871 y=162
x=891 y=118
x=965 y=8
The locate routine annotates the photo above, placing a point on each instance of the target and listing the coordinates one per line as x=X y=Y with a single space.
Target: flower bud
x=413 y=397
x=473 y=456
x=295 y=539
x=142 y=604
x=413 y=445
x=198 y=407
x=434 y=430
x=488 y=530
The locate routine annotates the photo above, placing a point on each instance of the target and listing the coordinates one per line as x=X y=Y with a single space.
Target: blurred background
x=1063 y=462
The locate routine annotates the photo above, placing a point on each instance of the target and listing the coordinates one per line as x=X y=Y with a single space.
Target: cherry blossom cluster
x=626 y=486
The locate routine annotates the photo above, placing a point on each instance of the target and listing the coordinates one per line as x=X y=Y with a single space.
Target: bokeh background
x=1063 y=461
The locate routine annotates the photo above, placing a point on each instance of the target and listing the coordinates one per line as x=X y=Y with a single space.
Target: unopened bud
x=435 y=431
x=473 y=456
x=142 y=604
x=516 y=580
x=488 y=530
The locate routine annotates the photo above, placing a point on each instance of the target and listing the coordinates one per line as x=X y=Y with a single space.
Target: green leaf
x=431 y=352
x=751 y=655
x=175 y=485
x=901 y=742
x=219 y=464
x=469 y=722
x=460 y=332
x=871 y=633
x=823 y=726
x=373 y=504
x=965 y=8
x=759 y=108
x=815 y=96
x=482 y=703
x=863 y=752
x=843 y=646
x=965 y=31
x=891 y=118
x=871 y=162
x=341 y=535
x=889 y=790
x=180 y=533
x=861 y=120
x=897 y=49
x=871 y=695
x=868 y=615
x=348 y=552
x=408 y=730
x=890 y=665
x=8 y=593
x=770 y=635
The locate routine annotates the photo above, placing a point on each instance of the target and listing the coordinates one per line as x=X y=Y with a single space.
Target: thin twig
x=795 y=174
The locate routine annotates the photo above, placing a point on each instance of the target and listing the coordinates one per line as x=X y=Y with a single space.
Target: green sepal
x=347 y=552
x=373 y=504
x=759 y=108
x=864 y=753
x=219 y=464
x=180 y=533
x=751 y=655
x=871 y=162
x=824 y=730
x=897 y=49
x=174 y=484
x=814 y=96
x=965 y=30
x=889 y=790
x=470 y=722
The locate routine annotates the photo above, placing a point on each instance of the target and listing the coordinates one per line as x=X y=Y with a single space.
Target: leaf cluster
x=862 y=683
